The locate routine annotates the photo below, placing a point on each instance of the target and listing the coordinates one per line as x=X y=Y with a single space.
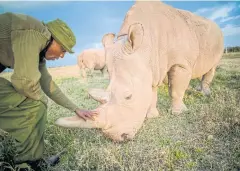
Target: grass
x=207 y=137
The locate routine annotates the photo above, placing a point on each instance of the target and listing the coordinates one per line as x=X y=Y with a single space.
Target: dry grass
x=207 y=137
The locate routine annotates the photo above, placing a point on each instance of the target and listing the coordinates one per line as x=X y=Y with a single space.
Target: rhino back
x=175 y=36
x=210 y=42
x=167 y=36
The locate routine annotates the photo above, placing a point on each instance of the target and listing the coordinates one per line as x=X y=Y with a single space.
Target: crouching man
x=25 y=45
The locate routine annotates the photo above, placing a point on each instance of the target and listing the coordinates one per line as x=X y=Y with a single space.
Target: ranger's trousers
x=25 y=120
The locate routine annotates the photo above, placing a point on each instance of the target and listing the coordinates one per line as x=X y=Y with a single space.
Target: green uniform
x=23 y=101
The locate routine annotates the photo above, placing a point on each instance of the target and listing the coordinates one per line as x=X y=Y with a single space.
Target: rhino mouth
x=117 y=122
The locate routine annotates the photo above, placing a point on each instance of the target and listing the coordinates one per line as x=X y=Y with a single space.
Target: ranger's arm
x=52 y=90
x=26 y=45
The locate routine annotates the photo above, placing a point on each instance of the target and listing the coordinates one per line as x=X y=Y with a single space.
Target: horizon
x=90 y=20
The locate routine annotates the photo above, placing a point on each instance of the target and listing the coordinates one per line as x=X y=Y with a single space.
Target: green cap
x=62 y=34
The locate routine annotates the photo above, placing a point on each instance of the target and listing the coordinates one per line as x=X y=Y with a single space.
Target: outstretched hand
x=86 y=114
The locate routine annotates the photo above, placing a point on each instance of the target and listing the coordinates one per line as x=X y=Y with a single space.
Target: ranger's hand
x=86 y=114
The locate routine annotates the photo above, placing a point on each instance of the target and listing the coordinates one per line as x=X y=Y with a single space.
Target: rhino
x=156 y=41
x=90 y=60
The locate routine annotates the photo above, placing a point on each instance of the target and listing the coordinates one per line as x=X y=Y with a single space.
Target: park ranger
x=25 y=45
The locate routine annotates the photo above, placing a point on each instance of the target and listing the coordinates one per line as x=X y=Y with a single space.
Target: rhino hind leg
x=206 y=81
x=153 y=111
x=179 y=79
x=90 y=72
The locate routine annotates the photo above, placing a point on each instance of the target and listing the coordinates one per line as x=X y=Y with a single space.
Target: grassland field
x=207 y=137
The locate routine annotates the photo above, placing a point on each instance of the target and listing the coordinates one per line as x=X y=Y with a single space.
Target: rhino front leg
x=206 y=81
x=83 y=73
x=165 y=81
x=91 y=70
x=153 y=112
x=104 y=71
x=179 y=79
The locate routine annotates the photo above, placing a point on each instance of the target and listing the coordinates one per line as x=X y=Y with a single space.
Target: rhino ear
x=135 y=36
x=108 y=39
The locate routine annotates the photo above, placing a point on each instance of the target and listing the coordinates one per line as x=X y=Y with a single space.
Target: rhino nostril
x=124 y=136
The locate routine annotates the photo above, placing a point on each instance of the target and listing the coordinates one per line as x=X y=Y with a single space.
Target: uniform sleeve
x=52 y=90
x=26 y=45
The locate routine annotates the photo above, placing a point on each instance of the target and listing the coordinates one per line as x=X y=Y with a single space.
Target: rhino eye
x=128 y=97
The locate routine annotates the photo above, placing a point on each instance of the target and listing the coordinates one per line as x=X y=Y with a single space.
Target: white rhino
x=155 y=40
x=90 y=60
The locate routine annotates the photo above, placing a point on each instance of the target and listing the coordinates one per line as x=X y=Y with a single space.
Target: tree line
x=232 y=49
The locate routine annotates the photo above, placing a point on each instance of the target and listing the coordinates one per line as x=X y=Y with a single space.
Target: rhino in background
x=90 y=60
x=160 y=40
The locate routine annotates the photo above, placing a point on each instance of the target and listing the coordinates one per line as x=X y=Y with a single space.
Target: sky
x=90 y=20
